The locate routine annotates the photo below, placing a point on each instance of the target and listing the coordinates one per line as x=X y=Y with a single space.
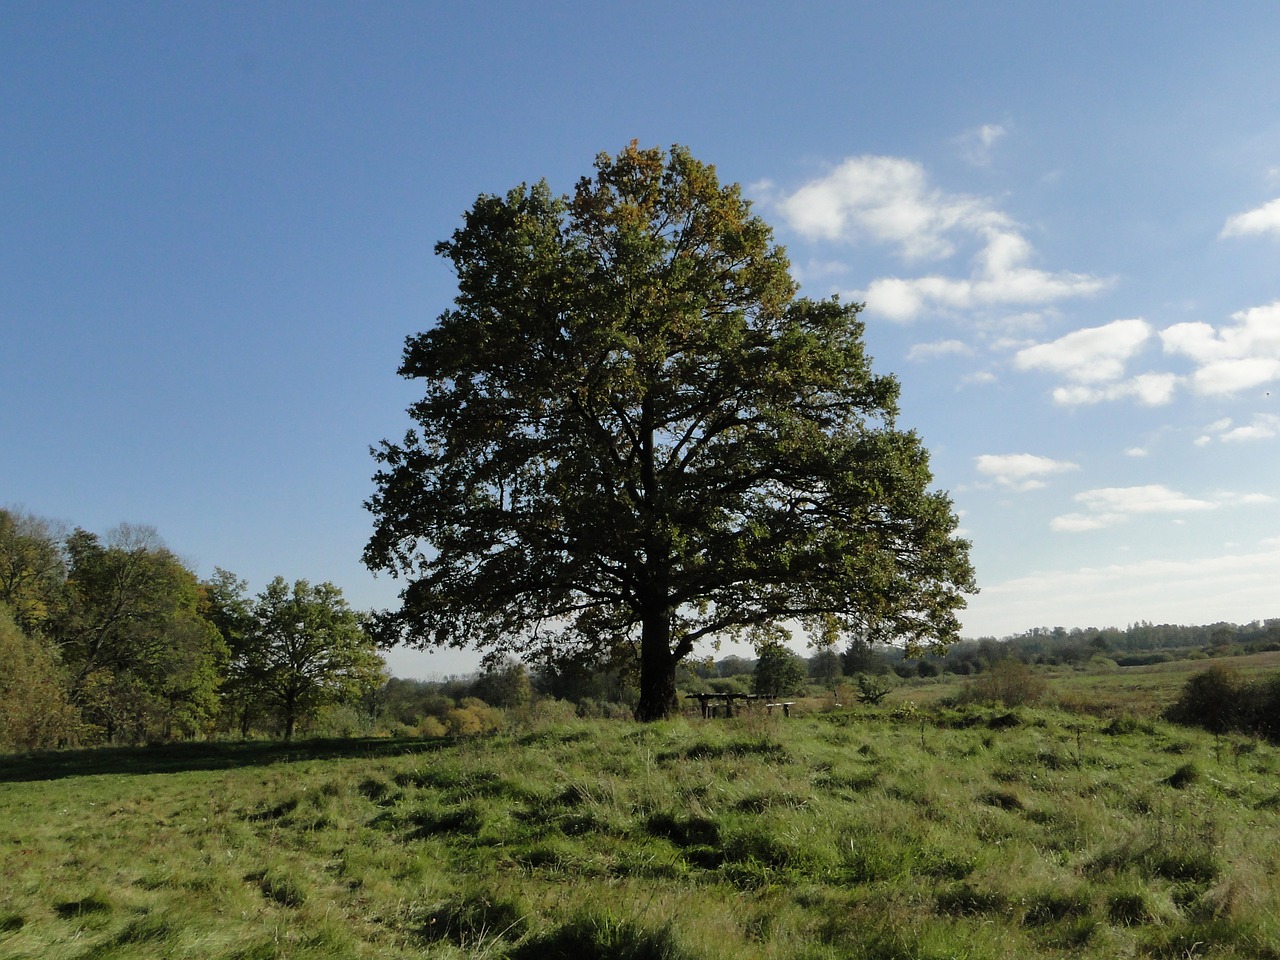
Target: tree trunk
x=657 y=668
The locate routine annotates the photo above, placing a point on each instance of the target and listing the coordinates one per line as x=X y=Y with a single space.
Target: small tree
x=504 y=685
x=779 y=672
x=308 y=649
x=872 y=688
x=824 y=667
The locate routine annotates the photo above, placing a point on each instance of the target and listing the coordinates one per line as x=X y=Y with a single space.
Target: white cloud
x=1238 y=356
x=1091 y=355
x=1135 y=452
x=1020 y=471
x=1262 y=220
x=939 y=348
x=1265 y=426
x=889 y=200
x=976 y=145
x=1108 y=506
x=1152 y=498
x=1152 y=389
x=1232 y=376
x=981 y=378
x=1093 y=360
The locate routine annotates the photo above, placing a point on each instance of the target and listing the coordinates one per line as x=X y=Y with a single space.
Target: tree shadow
x=185 y=757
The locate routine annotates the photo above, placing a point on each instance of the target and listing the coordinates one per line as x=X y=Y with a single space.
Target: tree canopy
x=635 y=435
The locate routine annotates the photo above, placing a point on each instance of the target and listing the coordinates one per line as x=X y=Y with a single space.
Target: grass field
x=906 y=831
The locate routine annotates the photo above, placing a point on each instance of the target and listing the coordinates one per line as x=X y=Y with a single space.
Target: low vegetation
x=897 y=831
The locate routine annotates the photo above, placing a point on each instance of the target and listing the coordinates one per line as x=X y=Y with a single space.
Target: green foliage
x=1221 y=700
x=634 y=432
x=32 y=570
x=35 y=712
x=141 y=660
x=307 y=649
x=779 y=672
x=872 y=689
x=861 y=657
x=1011 y=683
x=505 y=685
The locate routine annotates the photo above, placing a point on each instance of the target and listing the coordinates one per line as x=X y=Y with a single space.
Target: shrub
x=1010 y=682
x=872 y=689
x=472 y=717
x=1213 y=699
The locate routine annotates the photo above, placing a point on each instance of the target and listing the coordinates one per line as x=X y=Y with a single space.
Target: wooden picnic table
x=710 y=702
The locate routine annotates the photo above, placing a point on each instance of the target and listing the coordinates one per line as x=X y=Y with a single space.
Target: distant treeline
x=113 y=639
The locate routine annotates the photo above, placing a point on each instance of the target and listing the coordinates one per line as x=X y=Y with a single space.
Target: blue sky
x=217 y=221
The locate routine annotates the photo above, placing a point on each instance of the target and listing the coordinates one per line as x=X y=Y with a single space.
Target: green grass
x=860 y=833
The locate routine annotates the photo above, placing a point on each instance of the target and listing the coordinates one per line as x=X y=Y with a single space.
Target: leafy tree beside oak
x=634 y=435
x=294 y=649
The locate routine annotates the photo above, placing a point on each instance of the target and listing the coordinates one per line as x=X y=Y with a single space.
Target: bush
x=471 y=717
x=1215 y=700
x=928 y=668
x=1011 y=683
x=872 y=689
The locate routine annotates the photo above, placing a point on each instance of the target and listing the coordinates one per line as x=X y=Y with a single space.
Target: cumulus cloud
x=1262 y=220
x=1265 y=426
x=1152 y=389
x=1091 y=355
x=1020 y=471
x=889 y=200
x=1235 y=357
x=1109 y=506
x=1093 y=361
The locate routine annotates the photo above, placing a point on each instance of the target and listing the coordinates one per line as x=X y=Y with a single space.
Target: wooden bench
x=786 y=706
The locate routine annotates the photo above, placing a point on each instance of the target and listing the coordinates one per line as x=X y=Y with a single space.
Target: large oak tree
x=635 y=435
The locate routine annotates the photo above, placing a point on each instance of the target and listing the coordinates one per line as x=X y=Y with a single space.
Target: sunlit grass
x=875 y=833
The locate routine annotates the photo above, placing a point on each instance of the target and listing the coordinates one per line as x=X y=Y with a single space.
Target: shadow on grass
x=184 y=757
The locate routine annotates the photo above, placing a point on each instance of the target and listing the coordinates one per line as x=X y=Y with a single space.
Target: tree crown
x=631 y=418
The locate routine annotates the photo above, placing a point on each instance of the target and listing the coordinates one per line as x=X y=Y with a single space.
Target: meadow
x=1083 y=828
